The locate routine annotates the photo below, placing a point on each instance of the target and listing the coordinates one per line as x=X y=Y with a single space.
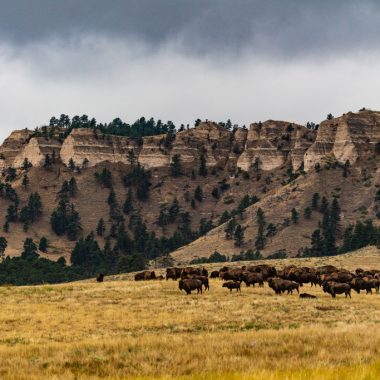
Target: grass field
x=121 y=329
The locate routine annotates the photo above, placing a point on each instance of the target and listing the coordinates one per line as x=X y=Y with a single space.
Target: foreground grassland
x=122 y=329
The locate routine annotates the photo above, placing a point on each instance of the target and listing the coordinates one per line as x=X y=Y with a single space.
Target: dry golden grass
x=121 y=329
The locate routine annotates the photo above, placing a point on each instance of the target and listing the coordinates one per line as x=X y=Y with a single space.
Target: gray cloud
x=181 y=59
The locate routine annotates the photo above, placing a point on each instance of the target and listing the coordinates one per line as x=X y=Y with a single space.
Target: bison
x=173 y=273
x=250 y=278
x=232 y=285
x=100 y=277
x=307 y=295
x=214 y=274
x=188 y=285
x=335 y=288
x=281 y=286
x=267 y=271
x=146 y=275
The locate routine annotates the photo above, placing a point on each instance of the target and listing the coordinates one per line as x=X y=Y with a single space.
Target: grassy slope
x=122 y=329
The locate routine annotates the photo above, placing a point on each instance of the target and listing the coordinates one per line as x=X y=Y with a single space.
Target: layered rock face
x=87 y=144
x=271 y=143
x=345 y=138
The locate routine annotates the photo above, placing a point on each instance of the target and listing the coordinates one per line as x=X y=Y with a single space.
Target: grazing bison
x=307 y=295
x=281 y=286
x=194 y=271
x=335 y=288
x=203 y=279
x=326 y=269
x=231 y=275
x=173 y=273
x=232 y=285
x=190 y=284
x=365 y=283
x=266 y=270
x=145 y=276
x=214 y=274
x=100 y=277
x=250 y=278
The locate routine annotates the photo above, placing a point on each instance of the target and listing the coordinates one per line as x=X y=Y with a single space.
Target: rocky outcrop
x=345 y=138
x=271 y=143
x=36 y=150
x=87 y=144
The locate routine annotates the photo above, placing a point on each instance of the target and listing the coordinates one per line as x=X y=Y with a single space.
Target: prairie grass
x=121 y=329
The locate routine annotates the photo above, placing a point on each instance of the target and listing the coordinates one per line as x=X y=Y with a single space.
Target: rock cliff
x=269 y=145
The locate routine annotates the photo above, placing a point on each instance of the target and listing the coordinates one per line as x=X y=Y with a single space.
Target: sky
x=179 y=60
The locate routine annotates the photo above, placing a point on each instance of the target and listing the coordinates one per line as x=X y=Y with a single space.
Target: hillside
x=278 y=164
x=90 y=330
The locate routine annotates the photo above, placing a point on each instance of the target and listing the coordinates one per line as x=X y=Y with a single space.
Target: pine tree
x=3 y=246
x=203 y=165
x=101 y=228
x=335 y=216
x=173 y=211
x=324 y=205
x=230 y=228
x=43 y=245
x=176 y=165
x=224 y=217
x=239 y=236
x=30 y=250
x=72 y=187
x=346 y=168
x=294 y=216
x=316 y=243
x=260 y=240
x=307 y=213
x=25 y=182
x=315 y=201
x=198 y=194
x=128 y=204
x=26 y=164
x=48 y=162
x=193 y=176
x=6 y=227
x=72 y=166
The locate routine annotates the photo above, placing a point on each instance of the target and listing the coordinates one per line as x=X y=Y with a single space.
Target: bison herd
x=332 y=280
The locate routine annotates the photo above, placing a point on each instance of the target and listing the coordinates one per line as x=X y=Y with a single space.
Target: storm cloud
x=179 y=59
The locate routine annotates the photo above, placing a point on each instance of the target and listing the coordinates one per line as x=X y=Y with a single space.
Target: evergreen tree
x=87 y=255
x=239 y=236
x=72 y=187
x=294 y=216
x=105 y=178
x=271 y=230
x=73 y=224
x=173 y=211
x=101 y=228
x=215 y=192
x=131 y=157
x=25 y=182
x=324 y=205
x=193 y=176
x=72 y=166
x=316 y=244
x=315 y=201
x=260 y=240
x=198 y=194
x=26 y=165
x=48 y=162
x=307 y=213
x=30 y=250
x=3 y=246
x=176 y=165
x=6 y=227
x=230 y=228
x=192 y=203
x=346 y=168
x=335 y=216
x=43 y=245
x=205 y=226
x=224 y=217
x=128 y=204
x=203 y=165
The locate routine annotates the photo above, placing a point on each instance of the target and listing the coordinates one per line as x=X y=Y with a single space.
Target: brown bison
x=146 y=275
x=173 y=273
x=214 y=274
x=365 y=283
x=100 y=277
x=231 y=275
x=281 y=286
x=250 y=278
x=267 y=271
x=335 y=288
x=194 y=271
x=232 y=285
x=203 y=279
x=307 y=295
x=188 y=285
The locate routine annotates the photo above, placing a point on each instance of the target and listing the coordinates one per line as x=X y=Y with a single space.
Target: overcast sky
x=178 y=60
